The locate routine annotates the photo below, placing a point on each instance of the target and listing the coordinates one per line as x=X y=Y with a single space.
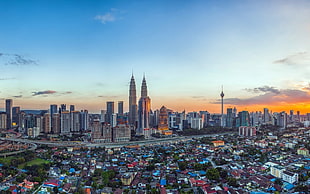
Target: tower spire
x=222 y=107
x=144 y=87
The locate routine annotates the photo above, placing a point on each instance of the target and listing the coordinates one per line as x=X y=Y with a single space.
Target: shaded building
x=8 y=110
x=56 y=123
x=84 y=120
x=53 y=109
x=16 y=119
x=46 y=123
x=65 y=122
x=101 y=132
x=3 y=120
x=229 y=118
x=120 y=106
x=110 y=111
x=75 y=121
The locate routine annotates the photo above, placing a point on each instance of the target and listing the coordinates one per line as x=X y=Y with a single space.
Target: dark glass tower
x=8 y=110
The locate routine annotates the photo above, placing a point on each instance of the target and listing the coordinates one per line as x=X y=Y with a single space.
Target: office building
x=53 y=109
x=163 y=119
x=121 y=133
x=120 y=108
x=229 y=118
x=65 y=122
x=72 y=108
x=46 y=123
x=56 y=123
x=16 y=120
x=110 y=111
x=84 y=120
x=75 y=121
x=8 y=110
x=3 y=120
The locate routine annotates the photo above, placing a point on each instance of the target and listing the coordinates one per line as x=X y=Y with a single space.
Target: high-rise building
x=75 y=121
x=84 y=120
x=266 y=116
x=72 y=108
x=110 y=111
x=63 y=108
x=16 y=120
x=8 y=110
x=53 y=109
x=56 y=123
x=65 y=122
x=3 y=120
x=229 y=118
x=120 y=108
x=46 y=123
x=132 y=116
x=244 y=118
x=163 y=119
x=102 y=116
x=121 y=133
x=144 y=110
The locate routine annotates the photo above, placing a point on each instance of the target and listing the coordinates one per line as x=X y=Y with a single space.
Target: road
x=112 y=145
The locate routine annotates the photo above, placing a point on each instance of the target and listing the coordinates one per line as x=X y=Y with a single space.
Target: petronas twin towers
x=142 y=113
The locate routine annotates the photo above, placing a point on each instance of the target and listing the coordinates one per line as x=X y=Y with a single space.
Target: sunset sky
x=84 y=52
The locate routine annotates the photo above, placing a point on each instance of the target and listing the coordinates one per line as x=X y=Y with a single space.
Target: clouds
x=16 y=60
x=270 y=95
x=263 y=89
x=50 y=92
x=7 y=78
x=297 y=59
x=111 y=16
x=46 y=92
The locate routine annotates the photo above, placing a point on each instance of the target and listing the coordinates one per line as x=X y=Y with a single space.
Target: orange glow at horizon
x=178 y=105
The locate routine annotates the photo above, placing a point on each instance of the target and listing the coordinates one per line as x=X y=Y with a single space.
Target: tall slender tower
x=222 y=108
x=132 y=102
x=144 y=109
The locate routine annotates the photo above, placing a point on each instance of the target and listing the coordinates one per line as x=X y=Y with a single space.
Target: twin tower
x=139 y=116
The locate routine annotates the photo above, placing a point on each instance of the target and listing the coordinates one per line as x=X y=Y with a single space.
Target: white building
x=290 y=177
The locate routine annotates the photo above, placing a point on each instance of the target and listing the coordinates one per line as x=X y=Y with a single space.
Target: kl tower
x=222 y=108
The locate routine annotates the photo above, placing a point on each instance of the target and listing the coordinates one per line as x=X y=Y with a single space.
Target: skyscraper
x=144 y=109
x=132 y=117
x=8 y=110
x=110 y=111
x=163 y=119
x=72 y=108
x=16 y=116
x=229 y=118
x=53 y=110
x=120 y=108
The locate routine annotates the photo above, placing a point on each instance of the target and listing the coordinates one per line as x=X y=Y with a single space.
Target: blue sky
x=83 y=52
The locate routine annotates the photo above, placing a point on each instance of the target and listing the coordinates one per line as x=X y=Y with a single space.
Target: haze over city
x=84 y=52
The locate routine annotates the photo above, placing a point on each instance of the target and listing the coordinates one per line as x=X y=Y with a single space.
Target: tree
x=232 y=182
x=213 y=174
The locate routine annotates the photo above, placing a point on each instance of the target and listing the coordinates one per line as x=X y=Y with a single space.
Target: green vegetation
x=37 y=161
x=6 y=160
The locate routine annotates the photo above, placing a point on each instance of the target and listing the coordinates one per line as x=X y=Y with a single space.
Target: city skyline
x=83 y=53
